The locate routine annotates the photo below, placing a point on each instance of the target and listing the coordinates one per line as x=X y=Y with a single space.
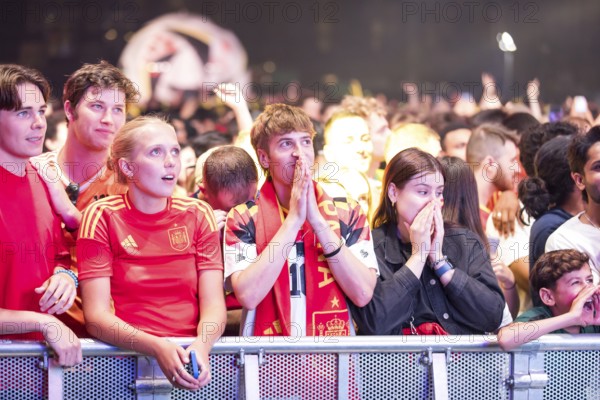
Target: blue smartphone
x=192 y=367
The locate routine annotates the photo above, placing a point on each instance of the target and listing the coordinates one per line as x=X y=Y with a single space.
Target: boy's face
x=22 y=131
x=567 y=288
x=97 y=117
x=284 y=151
x=226 y=199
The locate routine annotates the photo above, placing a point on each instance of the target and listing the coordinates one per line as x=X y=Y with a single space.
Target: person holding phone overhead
x=157 y=257
x=434 y=279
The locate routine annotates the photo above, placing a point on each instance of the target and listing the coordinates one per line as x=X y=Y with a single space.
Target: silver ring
x=182 y=369
x=174 y=378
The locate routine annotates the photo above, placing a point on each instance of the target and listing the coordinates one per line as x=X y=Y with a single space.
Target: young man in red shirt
x=34 y=280
x=95 y=100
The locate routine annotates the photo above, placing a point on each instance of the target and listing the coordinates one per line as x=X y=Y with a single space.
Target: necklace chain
x=590 y=221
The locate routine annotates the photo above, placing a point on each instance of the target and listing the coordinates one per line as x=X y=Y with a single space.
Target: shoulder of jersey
x=95 y=210
x=189 y=204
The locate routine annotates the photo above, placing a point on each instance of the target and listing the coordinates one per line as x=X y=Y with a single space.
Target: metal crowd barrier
x=374 y=367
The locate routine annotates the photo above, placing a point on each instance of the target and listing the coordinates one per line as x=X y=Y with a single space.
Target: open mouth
x=588 y=305
x=168 y=178
x=35 y=139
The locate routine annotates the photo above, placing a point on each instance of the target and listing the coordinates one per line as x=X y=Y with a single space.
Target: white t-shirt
x=574 y=234
x=512 y=248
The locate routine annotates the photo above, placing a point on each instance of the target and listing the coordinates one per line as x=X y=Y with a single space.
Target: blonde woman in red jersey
x=158 y=258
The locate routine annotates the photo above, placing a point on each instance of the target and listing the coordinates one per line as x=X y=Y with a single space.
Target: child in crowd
x=571 y=301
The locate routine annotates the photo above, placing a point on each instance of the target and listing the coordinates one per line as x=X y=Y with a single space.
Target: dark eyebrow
x=425 y=184
x=31 y=108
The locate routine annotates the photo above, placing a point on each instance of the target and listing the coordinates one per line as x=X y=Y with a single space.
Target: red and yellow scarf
x=326 y=309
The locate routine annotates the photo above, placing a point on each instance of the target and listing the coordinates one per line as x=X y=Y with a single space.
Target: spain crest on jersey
x=178 y=238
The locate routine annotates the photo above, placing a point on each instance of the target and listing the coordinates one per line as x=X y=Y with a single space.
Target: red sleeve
x=208 y=243
x=94 y=255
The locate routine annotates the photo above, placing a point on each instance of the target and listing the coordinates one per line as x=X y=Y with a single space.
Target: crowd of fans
x=369 y=217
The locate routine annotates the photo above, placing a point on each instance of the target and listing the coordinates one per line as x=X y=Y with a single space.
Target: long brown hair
x=461 y=201
x=403 y=167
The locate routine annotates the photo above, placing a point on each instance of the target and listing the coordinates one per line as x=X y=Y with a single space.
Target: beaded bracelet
x=70 y=273
x=334 y=252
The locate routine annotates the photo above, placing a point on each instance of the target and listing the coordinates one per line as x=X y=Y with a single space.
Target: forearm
x=355 y=279
x=253 y=283
x=536 y=110
x=107 y=327
x=243 y=116
x=69 y=214
x=210 y=328
x=14 y=322
x=519 y=333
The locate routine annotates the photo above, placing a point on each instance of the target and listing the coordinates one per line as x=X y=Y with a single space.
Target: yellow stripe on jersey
x=94 y=212
x=89 y=212
x=181 y=203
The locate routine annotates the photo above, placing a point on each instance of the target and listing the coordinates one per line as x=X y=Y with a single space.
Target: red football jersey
x=31 y=242
x=152 y=260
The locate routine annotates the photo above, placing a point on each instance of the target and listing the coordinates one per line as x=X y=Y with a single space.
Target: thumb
x=42 y=288
x=183 y=355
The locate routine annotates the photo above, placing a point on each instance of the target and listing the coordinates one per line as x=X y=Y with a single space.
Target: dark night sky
x=381 y=43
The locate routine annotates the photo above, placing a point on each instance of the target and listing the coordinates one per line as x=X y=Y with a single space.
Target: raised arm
x=230 y=94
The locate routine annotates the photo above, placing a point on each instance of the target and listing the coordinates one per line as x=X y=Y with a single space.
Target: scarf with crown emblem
x=326 y=309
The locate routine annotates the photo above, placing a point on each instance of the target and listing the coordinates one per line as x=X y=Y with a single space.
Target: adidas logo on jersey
x=129 y=245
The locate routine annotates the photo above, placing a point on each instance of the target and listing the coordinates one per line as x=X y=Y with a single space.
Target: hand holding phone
x=192 y=367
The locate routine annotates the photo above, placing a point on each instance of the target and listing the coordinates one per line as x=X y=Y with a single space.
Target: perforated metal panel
x=100 y=378
x=572 y=375
x=480 y=376
x=298 y=376
x=393 y=376
x=224 y=384
x=22 y=379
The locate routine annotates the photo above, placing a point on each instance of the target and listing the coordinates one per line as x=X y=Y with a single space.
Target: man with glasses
x=95 y=100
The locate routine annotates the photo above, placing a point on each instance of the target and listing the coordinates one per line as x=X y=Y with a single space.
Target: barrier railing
x=375 y=367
